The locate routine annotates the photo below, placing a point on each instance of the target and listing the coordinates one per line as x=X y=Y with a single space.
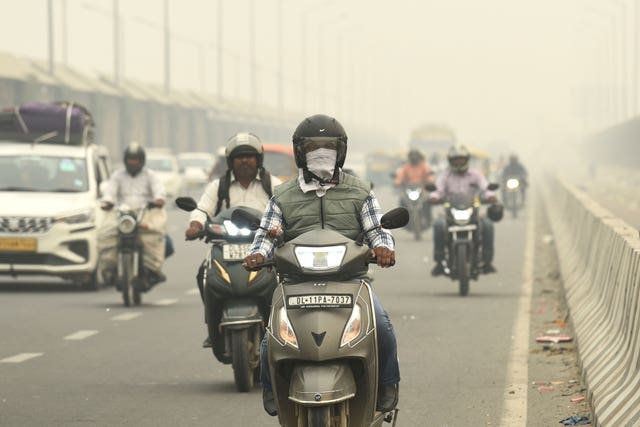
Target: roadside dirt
x=554 y=373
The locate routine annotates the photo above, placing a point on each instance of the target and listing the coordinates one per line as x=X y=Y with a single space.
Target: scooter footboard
x=321 y=383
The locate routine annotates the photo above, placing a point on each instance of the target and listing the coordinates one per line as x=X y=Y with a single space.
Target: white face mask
x=322 y=162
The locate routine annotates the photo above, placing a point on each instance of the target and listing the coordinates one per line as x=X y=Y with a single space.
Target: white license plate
x=319 y=301
x=235 y=252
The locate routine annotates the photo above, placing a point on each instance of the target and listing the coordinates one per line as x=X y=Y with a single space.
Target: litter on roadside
x=578 y=399
x=553 y=332
x=576 y=420
x=546 y=388
x=555 y=338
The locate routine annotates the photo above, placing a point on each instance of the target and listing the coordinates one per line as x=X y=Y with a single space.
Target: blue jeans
x=439 y=238
x=388 y=368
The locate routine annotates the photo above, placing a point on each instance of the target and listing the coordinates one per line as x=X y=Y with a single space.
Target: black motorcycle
x=512 y=194
x=132 y=279
x=236 y=301
x=413 y=199
x=463 y=260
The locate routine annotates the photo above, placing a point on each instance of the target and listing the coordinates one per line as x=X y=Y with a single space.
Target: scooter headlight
x=233 y=230
x=353 y=327
x=320 y=258
x=461 y=216
x=126 y=224
x=413 y=195
x=513 y=183
x=285 y=330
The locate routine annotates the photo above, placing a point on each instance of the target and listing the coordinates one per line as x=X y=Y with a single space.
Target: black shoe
x=438 y=270
x=387 y=398
x=269 y=403
x=155 y=277
x=207 y=343
x=488 y=268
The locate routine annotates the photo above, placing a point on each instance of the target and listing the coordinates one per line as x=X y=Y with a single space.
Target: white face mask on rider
x=322 y=162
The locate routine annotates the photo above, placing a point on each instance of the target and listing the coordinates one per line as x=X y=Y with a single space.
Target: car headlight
x=126 y=224
x=320 y=258
x=285 y=330
x=461 y=216
x=513 y=183
x=234 y=231
x=413 y=195
x=77 y=217
x=352 y=329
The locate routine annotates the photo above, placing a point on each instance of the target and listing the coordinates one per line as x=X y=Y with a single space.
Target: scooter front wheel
x=242 y=370
x=319 y=416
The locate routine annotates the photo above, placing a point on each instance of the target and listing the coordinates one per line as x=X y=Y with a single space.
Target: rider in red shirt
x=415 y=171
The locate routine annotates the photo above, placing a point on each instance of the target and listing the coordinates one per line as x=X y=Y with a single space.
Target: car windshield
x=43 y=174
x=280 y=164
x=160 y=164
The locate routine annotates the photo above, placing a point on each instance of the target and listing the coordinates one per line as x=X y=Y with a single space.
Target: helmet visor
x=314 y=143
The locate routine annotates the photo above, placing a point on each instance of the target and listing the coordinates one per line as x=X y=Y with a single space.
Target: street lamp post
x=167 y=50
x=52 y=69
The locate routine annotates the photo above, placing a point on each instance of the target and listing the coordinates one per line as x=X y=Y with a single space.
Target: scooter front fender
x=314 y=384
x=240 y=313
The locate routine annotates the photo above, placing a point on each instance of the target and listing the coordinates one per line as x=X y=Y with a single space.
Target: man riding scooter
x=348 y=206
x=245 y=183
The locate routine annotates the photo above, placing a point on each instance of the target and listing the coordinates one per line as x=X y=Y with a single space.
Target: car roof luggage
x=52 y=123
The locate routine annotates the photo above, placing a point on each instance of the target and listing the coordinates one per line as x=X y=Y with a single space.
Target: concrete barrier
x=600 y=262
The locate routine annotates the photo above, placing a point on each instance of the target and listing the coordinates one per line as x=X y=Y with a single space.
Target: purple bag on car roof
x=57 y=122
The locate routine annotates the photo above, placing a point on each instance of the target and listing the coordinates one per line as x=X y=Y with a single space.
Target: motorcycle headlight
x=461 y=216
x=126 y=224
x=285 y=330
x=77 y=217
x=320 y=258
x=413 y=195
x=513 y=183
x=352 y=329
x=234 y=231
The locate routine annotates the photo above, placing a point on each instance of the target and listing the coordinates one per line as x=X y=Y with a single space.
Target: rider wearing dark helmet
x=459 y=178
x=320 y=149
x=136 y=186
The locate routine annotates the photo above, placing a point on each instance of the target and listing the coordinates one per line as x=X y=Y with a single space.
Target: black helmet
x=244 y=143
x=134 y=151
x=415 y=156
x=495 y=212
x=319 y=126
x=457 y=152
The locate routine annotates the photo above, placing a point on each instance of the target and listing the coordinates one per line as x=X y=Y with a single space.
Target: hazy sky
x=492 y=69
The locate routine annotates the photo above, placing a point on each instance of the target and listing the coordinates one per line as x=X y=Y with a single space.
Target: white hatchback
x=49 y=210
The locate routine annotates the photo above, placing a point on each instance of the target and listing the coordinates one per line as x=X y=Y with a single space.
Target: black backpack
x=225 y=182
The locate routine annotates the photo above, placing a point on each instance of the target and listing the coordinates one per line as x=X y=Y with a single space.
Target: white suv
x=49 y=209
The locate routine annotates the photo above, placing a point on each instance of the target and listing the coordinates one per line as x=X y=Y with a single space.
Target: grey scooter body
x=321 y=372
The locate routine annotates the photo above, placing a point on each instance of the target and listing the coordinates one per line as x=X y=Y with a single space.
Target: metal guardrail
x=600 y=262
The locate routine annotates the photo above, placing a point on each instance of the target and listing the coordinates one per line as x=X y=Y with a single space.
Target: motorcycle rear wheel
x=463 y=269
x=242 y=370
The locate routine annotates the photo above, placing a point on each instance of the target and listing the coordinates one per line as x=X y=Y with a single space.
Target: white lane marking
x=514 y=412
x=194 y=291
x=19 y=358
x=166 y=301
x=126 y=316
x=80 y=335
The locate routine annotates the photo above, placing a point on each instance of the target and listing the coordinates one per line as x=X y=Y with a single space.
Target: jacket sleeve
x=157 y=186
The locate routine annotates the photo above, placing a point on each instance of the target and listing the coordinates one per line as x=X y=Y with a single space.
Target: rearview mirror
x=244 y=219
x=186 y=203
x=395 y=218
